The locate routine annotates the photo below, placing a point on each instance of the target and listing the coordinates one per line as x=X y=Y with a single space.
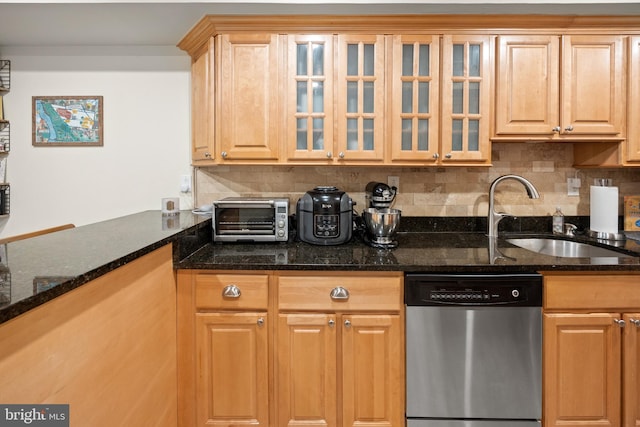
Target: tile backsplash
x=433 y=191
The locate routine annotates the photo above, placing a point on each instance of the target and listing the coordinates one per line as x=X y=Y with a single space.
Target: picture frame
x=64 y=121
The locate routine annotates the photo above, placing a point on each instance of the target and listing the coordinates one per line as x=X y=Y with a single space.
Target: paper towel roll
x=604 y=209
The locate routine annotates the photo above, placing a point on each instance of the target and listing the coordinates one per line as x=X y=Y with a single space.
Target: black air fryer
x=325 y=216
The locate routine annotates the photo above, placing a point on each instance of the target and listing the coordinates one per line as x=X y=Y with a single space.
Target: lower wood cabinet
x=333 y=356
x=592 y=350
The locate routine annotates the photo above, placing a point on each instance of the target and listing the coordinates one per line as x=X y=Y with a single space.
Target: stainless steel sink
x=564 y=248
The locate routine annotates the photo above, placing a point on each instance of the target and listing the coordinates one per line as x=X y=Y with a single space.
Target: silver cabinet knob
x=339 y=293
x=635 y=322
x=448 y=155
x=620 y=322
x=207 y=155
x=260 y=321
x=341 y=155
x=332 y=323
x=231 y=291
x=556 y=129
x=436 y=156
x=224 y=154
x=347 y=323
x=329 y=154
x=568 y=128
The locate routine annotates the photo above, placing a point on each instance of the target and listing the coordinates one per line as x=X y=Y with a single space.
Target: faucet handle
x=570 y=229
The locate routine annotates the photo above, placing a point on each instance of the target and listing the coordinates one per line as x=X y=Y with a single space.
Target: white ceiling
x=164 y=22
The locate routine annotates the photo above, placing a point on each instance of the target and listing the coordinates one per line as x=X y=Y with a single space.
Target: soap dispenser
x=558 y=222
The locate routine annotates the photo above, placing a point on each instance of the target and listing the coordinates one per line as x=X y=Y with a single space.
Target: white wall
x=146 y=136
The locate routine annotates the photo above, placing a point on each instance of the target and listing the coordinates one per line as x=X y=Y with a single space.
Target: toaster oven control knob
x=231 y=291
x=280 y=233
x=280 y=224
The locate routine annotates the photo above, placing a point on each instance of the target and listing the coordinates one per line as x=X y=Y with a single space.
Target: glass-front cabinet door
x=414 y=101
x=309 y=134
x=360 y=97
x=466 y=84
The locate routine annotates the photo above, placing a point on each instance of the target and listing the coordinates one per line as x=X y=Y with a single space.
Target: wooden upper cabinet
x=631 y=369
x=414 y=98
x=360 y=99
x=527 y=87
x=466 y=99
x=633 y=143
x=202 y=106
x=309 y=97
x=567 y=87
x=248 y=104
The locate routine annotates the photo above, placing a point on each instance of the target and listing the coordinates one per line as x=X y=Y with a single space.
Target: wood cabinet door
x=360 y=99
x=309 y=97
x=232 y=385
x=249 y=119
x=582 y=370
x=466 y=99
x=631 y=369
x=633 y=142
x=592 y=86
x=306 y=370
x=527 y=88
x=372 y=373
x=414 y=97
x=202 y=107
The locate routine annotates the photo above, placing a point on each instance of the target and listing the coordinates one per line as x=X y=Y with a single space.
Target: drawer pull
x=620 y=322
x=332 y=323
x=635 y=322
x=347 y=323
x=260 y=321
x=231 y=291
x=339 y=293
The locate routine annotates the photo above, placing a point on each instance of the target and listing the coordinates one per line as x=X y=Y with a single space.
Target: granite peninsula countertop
x=36 y=270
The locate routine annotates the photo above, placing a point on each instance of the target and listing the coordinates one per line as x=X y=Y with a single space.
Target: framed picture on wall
x=62 y=121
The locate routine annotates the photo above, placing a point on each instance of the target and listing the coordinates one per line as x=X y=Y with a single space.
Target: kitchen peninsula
x=92 y=310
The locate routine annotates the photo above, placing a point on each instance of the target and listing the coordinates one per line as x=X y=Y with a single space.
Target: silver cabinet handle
x=635 y=322
x=207 y=155
x=339 y=293
x=448 y=155
x=332 y=323
x=231 y=291
x=556 y=129
x=436 y=155
x=224 y=154
x=341 y=155
x=260 y=321
x=568 y=128
x=620 y=322
x=347 y=323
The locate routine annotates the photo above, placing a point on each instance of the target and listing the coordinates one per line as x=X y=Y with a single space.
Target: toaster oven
x=251 y=219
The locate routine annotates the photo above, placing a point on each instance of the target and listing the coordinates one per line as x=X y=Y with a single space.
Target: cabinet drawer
x=252 y=291
x=314 y=292
x=599 y=292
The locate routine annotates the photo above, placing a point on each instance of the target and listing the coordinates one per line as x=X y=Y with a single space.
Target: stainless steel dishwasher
x=474 y=350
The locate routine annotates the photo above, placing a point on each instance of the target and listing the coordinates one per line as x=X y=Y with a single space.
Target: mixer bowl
x=381 y=223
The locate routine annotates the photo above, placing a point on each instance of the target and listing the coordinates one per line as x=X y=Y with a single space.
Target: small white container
x=170 y=206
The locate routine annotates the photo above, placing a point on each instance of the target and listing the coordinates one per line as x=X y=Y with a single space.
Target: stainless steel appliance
x=381 y=222
x=325 y=216
x=474 y=350
x=251 y=219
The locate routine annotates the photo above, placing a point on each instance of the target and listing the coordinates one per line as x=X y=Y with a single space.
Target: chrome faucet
x=494 y=217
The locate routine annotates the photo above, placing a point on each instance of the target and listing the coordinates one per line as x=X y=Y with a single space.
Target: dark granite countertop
x=37 y=270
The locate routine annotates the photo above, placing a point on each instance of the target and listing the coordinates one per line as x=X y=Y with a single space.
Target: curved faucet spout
x=493 y=217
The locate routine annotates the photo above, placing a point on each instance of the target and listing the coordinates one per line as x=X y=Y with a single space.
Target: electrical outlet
x=185 y=183
x=393 y=181
x=573 y=186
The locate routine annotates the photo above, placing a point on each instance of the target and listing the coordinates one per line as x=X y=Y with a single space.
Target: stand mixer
x=380 y=220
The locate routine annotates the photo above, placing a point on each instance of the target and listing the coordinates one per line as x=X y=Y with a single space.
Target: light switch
x=573 y=186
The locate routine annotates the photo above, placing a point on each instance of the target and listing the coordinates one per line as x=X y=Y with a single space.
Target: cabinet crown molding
x=212 y=25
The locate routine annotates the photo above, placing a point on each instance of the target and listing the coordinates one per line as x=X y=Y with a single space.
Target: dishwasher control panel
x=518 y=290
